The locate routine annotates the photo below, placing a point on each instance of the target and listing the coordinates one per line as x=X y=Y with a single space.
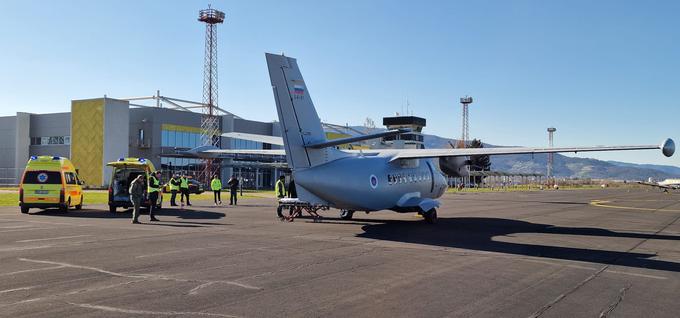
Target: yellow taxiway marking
x=605 y=204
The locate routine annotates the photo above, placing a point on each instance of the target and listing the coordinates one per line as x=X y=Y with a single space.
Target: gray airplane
x=668 y=184
x=401 y=180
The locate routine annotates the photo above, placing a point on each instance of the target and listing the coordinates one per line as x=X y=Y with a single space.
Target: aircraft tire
x=346 y=214
x=430 y=216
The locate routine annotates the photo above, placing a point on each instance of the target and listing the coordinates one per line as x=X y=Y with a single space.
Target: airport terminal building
x=101 y=130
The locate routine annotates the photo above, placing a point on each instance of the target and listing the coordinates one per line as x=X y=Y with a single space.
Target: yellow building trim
x=87 y=139
x=181 y=128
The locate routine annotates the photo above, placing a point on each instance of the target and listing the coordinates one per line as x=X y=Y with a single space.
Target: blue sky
x=602 y=72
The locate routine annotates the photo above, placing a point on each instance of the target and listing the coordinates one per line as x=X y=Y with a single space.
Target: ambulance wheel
x=430 y=216
x=24 y=210
x=80 y=206
x=279 y=211
x=346 y=214
x=112 y=209
x=64 y=208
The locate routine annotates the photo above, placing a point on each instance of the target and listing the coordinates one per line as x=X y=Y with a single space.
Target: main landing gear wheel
x=430 y=216
x=346 y=214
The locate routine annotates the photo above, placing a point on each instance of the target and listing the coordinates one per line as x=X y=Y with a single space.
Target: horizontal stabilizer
x=214 y=152
x=272 y=140
x=342 y=141
x=265 y=152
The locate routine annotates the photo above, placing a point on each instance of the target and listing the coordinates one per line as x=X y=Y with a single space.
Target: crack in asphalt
x=616 y=303
x=559 y=298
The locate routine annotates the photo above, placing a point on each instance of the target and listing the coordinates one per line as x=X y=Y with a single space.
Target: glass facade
x=245 y=144
x=180 y=139
x=184 y=137
x=190 y=166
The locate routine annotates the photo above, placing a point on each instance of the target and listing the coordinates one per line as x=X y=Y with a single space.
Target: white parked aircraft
x=402 y=180
x=668 y=184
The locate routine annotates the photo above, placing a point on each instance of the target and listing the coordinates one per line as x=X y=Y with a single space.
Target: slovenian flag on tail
x=298 y=89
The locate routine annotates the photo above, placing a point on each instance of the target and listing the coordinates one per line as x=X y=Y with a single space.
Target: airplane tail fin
x=300 y=124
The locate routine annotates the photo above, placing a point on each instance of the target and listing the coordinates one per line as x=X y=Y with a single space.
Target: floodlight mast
x=210 y=126
x=551 y=156
x=465 y=136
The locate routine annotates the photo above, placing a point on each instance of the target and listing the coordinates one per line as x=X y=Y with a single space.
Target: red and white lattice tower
x=210 y=125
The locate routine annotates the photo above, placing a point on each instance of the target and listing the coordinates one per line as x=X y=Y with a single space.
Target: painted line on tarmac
x=138 y=276
x=149 y=312
x=604 y=204
x=635 y=274
x=15 y=289
x=52 y=238
x=27 y=229
x=593 y=269
x=31 y=270
x=15 y=226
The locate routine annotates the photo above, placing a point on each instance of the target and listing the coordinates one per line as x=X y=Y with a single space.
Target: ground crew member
x=136 y=196
x=292 y=192
x=184 y=190
x=233 y=189
x=153 y=190
x=216 y=186
x=174 y=188
x=280 y=188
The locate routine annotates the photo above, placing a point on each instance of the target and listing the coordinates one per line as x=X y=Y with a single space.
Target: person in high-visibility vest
x=153 y=190
x=174 y=188
x=216 y=187
x=184 y=189
x=280 y=188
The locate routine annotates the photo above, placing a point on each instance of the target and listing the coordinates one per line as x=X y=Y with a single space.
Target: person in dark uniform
x=233 y=189
x=292 y=193
x=137 y=189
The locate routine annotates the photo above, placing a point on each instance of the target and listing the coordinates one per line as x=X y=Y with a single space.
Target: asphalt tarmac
x=590 y=253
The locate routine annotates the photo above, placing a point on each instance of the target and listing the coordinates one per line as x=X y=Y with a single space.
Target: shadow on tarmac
x=127 y=214
x=478 y=234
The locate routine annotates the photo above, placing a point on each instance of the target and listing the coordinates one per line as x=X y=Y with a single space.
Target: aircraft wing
x=668 y=148
x=273 y=140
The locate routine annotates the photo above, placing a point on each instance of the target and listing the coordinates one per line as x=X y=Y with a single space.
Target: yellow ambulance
x=124 y=171
x=50 y=182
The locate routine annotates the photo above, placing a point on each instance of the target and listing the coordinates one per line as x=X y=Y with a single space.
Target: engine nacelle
x=454 y=166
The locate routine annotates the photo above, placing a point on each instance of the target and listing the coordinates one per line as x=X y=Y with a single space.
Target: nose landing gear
x=430 y=216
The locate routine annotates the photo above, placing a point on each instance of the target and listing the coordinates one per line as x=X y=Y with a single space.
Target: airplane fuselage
x=370 y=183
